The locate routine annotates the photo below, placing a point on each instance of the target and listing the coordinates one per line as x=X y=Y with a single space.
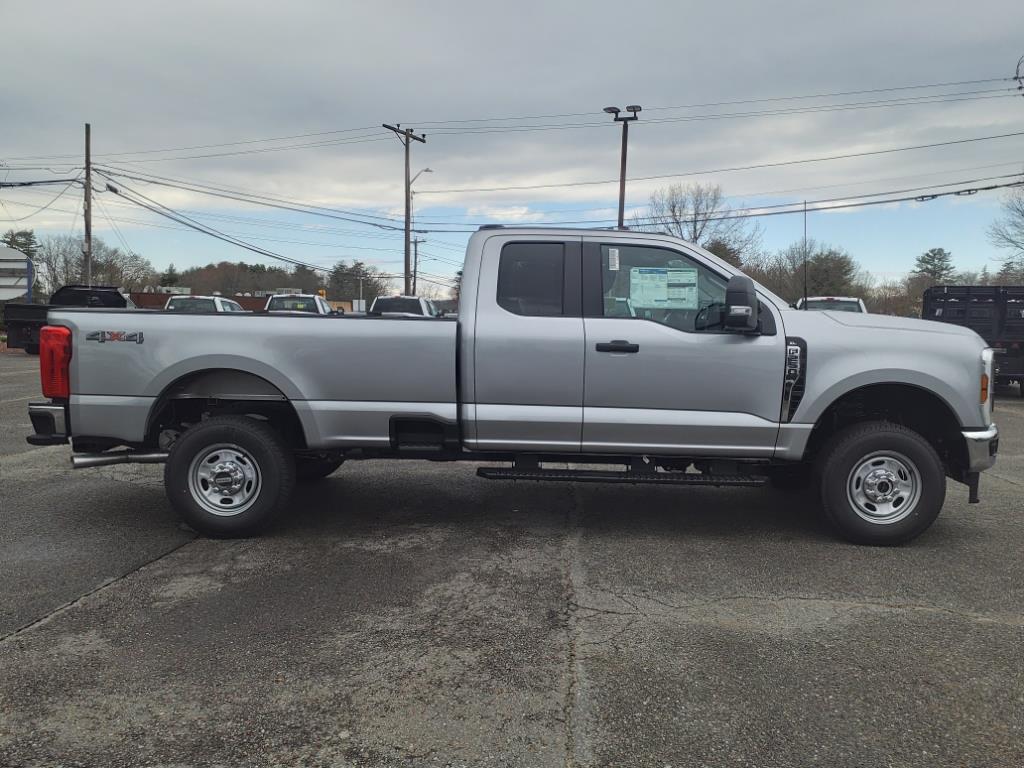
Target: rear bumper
x=50 y=423
x=982 y=446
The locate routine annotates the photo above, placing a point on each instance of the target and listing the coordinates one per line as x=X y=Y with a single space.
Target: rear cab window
x=292 y=304
x=192 y=305
x=531 y=279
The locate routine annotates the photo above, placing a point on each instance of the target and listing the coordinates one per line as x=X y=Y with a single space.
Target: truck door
x=526 y=388
x=661 y=375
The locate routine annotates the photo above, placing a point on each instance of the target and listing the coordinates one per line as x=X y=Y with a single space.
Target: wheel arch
x=224 y=391
x=912 y=406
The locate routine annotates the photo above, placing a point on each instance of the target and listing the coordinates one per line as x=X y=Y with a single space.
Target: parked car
x=23 y=321
x=300 y=302
x=404 y=305
x=201 y=304
x=645 y=358
x=833 y=303
x=994 y=312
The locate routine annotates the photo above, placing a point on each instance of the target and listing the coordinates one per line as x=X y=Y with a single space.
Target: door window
x=531 y=278
x=662 y=285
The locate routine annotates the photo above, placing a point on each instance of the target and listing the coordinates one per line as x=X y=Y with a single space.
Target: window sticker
x=613 y=259
x=663 y=288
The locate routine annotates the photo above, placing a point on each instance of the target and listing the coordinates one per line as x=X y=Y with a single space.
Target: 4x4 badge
x=104 y=336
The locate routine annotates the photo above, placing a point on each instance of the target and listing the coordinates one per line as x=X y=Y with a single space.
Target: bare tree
x=698 y=214
x=1007 y=232
x=60 y=262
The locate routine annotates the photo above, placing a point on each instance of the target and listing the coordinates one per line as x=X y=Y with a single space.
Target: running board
x=598 y=476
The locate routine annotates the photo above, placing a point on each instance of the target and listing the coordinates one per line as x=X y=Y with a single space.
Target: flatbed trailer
x=994 y=312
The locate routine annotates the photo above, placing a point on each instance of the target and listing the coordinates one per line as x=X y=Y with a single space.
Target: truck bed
x=345 y=376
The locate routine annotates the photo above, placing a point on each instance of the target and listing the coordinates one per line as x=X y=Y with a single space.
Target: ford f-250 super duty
x=629 y=357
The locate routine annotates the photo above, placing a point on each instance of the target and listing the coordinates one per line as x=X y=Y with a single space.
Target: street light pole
x=625 y=120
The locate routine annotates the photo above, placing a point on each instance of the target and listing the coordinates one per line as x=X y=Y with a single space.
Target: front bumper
x=982 y=446
x=49 y=420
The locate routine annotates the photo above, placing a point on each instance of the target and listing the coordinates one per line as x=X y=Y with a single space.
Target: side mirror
x=740 y=305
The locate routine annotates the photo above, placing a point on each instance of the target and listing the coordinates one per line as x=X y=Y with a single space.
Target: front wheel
x=881 y=483
x=229 y=476
x=31 y=349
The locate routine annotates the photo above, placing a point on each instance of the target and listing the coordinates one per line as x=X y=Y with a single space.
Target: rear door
x=661 y=375
x=528 y=349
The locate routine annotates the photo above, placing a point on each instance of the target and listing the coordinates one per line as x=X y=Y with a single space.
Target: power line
x=910 y=101
x=254 y=151
x=243 y=196
x=252 y=200
x=162 y=210
x=42 y=208
x=756 y=166
x=464 y=121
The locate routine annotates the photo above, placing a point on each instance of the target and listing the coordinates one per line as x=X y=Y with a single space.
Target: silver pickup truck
x=626 y=357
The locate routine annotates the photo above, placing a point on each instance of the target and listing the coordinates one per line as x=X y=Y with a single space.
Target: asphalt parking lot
x=412 y=614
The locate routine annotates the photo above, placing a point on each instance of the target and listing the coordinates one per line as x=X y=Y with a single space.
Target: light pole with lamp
x=415 y=241
x=625 y=120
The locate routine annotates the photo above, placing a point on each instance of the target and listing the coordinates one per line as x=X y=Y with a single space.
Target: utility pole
x=415 y=263
x=625 y=120
x=87 y=210
x=406 y=137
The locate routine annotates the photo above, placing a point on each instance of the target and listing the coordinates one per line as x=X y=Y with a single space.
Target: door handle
x=618 y=345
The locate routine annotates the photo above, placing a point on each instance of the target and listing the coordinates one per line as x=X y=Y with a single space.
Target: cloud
x=192 y=74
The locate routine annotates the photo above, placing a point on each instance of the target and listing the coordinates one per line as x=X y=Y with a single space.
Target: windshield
x=409 y=306
x=835 y=305
x=191 y=305
x=293 y=304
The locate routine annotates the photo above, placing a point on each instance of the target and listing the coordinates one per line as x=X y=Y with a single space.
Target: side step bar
x=611 y=476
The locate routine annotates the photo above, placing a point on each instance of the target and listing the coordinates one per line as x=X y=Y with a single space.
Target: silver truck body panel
x=527 y=372
x=686 y=391
x=322 y=365
x=519 y=383
x=846 y=351
x=116 y=416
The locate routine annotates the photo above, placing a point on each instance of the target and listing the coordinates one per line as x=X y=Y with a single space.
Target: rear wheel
x=31 y=349
x=881 y=483
x=229 y=476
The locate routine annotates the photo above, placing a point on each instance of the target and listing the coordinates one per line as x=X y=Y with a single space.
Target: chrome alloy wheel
x=884 y=487
x=224 y=479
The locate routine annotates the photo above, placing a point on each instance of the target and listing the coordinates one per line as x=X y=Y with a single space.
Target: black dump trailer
x=995 y=312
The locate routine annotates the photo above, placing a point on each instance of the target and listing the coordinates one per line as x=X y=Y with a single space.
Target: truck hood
x=880 y=322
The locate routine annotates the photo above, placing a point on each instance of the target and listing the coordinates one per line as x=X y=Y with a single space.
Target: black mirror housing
x=741 y=305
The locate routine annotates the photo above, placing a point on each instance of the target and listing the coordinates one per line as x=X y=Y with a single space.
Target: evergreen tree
x=23 y=240
x=170 y=277
x=936 y=264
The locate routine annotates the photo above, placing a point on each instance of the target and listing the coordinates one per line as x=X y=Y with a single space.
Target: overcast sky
x=189 y=74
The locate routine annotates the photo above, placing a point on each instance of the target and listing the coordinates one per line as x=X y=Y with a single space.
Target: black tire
x=31 y=349
x=891 y=450
x=253 y=452
x=792 y=478
x=309 y=469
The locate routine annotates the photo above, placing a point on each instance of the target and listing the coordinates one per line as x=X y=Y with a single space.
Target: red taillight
x=55 y=361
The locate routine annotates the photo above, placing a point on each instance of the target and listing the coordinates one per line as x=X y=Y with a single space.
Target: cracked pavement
x=410 y=614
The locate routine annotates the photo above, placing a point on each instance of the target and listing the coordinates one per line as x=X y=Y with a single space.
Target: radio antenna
x=805 y=254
